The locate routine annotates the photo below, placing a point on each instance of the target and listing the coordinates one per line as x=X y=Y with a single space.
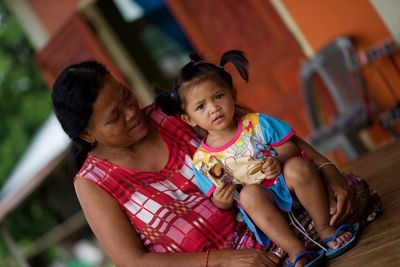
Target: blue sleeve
x=205 y=185
x=275 y=131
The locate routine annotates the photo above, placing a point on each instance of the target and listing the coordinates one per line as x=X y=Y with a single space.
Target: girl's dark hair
x=198 y=70
x=73 y=95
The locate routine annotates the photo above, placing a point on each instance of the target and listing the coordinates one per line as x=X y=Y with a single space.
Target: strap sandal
x=354 y=229
x=315 y=258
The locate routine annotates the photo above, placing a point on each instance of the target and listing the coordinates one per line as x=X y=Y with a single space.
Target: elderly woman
x=136 y=186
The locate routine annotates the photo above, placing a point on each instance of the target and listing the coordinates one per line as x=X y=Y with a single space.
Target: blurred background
x=329 y=68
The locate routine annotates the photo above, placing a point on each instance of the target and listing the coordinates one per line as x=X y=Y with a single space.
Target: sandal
x=316 y=258
x=354 y=229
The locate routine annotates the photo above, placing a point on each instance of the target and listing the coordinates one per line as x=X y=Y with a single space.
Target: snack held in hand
x=218 y=172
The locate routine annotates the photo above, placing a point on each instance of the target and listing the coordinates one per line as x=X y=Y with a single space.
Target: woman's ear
x=86 y=136
x=188 y=120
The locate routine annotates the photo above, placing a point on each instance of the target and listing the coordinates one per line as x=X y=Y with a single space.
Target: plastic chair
x=338 y=68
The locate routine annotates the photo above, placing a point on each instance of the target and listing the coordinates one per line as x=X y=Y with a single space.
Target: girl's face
x=209 y=106
x=116 y=121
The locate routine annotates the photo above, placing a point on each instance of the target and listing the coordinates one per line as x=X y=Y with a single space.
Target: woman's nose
x=130 y=111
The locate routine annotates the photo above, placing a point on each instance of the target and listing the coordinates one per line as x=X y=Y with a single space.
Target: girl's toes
x=343 y=238
x=334 y=244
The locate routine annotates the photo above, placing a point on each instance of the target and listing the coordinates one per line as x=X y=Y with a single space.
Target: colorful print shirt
x=254 y=140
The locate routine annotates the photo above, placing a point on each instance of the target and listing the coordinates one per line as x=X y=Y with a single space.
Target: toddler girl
x=249 y=159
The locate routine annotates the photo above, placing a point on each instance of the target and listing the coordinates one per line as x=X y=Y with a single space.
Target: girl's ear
x=86 y=136
x=188 y=120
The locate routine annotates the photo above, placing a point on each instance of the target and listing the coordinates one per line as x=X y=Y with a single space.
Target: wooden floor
x=379 y=245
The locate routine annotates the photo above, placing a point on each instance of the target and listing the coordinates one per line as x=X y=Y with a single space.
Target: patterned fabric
x=254 y=140
x=166 y=208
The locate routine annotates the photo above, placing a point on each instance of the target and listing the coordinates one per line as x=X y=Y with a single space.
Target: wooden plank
x=379 y=244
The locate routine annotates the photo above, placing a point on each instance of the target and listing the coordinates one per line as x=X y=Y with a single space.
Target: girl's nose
x=215 y=108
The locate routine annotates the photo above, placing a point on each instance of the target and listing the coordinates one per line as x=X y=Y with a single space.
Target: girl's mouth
x=218 y=118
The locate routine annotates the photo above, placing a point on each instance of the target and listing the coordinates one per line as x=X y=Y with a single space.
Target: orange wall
x=53 y=13
x=321 y=21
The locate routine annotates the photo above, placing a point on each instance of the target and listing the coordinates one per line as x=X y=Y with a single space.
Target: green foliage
x=31 y=220
x=24 y=98
x=24 y=106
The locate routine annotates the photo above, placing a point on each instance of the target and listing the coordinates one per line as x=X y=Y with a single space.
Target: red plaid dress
x=166 y=208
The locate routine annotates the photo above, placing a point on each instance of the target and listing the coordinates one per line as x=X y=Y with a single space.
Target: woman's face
x=116 y=121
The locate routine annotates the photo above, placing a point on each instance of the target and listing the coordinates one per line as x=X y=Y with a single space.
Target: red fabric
x=166 y=208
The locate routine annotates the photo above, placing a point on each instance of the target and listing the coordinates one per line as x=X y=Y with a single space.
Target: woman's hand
x=271 y=167
x=246 y=258
x=340 y=194
x=223 y=195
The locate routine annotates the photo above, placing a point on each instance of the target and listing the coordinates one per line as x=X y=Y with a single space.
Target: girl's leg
x=260 y=208
x=304 y=181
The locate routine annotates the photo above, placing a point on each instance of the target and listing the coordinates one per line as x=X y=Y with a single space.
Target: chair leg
x=350 y=144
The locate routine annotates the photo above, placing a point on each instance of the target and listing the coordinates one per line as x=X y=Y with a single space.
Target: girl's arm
x=272 y=166
x=123 y=245
x=340 y=193
x=287 y=150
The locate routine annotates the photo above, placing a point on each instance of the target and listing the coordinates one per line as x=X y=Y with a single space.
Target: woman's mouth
x=135 y=124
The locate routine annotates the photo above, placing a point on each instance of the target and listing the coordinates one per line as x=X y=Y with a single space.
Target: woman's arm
x=122 y=243
x=340 y=193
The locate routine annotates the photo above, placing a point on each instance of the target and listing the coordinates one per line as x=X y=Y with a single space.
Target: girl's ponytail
x=168 y=101
x=194 y=58
x=237 y=58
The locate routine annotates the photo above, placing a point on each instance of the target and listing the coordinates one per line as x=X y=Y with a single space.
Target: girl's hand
x=271 y=168
x=223 y=195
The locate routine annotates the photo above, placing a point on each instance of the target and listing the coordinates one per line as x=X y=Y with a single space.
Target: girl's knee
x=251 y=195
x=298 y=170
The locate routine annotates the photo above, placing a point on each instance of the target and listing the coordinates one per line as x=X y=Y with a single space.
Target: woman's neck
x=148 y=154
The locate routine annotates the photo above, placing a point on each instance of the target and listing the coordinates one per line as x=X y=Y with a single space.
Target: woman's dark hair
x=197 y=71
x=73 y=95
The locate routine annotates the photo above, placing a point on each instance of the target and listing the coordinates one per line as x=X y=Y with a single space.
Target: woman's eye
x=127 y=94
x=114 y=120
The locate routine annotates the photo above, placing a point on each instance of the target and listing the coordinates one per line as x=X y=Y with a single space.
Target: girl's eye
x=199 y=107
x=219 y=96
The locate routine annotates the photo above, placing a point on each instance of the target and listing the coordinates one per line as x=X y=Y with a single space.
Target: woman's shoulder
x=93 y=169
x=160 y=118
x=169 y=124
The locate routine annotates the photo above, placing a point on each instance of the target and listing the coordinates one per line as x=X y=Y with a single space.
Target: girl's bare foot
x=328 y=231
